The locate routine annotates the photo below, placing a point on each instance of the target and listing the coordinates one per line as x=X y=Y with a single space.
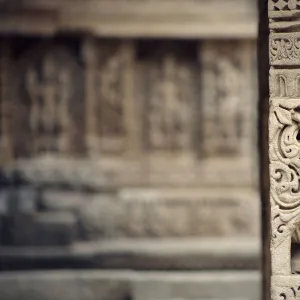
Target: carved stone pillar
x=284 y=147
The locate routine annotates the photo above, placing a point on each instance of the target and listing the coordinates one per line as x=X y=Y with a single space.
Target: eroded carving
x=50 y=84
x=170 y=104
x=224 y=81
x=111 y=88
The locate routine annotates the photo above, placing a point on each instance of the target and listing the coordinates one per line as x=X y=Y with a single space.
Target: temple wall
x=128 y=141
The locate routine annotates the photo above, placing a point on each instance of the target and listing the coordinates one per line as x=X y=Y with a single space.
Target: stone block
x=20 y=230
x=55 y=228
x=227 y=285
x=68 y=285
x=121 y=285
x=5 y=195
x=27 y=200
x=60 y=200
x=101 y=217
x=144 y=254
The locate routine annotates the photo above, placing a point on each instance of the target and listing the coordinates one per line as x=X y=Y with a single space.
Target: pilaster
x=284 y=147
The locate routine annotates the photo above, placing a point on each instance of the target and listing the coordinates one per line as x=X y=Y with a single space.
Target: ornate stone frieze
x=283 y=8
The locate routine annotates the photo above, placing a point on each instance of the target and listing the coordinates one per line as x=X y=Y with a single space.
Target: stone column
x=284 y=146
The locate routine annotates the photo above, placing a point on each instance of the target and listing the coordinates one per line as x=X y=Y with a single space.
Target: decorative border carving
x=283 y=8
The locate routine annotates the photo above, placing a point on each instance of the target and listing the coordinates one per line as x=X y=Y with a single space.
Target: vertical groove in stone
x=263 y=108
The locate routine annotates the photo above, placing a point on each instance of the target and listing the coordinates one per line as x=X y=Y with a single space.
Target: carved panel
x=50 y=96
x=110 y=72
x=284 y=49
x=202 y=213
x=284 y=83
x=227 y=106
x=170 y=101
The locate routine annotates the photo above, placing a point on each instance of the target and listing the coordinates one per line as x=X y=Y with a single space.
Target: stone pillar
x=284 y=147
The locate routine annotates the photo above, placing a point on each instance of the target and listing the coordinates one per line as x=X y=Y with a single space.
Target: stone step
x=120 y=285
x=139 y=254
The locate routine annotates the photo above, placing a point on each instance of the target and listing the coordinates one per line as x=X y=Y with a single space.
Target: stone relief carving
x=170 y=104
x=112 y=71
x=284 y=174
x=223 y=85
x=284 y=152
x=284 y=83
x=284 y=48
x=51 y=88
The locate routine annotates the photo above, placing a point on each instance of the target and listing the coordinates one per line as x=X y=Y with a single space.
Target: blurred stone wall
x=128 y=142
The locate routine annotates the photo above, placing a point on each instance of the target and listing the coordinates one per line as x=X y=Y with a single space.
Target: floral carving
x=284 y=49
x=285 y=163
x=290 y=293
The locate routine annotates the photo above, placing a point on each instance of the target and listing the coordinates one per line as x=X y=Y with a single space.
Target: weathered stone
x=21 y=229
x=101 y=217
x=120 y=285
x=201 y=212
x=26 y=200
x=165 y=128
x=284 y=148
x=55 y=228
x=227 y=285
x=59 y=200
x=142 y=254
x=5 y=196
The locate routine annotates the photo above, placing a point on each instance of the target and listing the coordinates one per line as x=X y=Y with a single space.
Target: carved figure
x=50 y=82
x=48 y=95
x=225 y=118
x=110 y=95
x=169 y=106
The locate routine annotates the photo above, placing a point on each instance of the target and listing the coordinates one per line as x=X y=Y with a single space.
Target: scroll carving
x=284 y=145
x=284 y=48
x=284 y=83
